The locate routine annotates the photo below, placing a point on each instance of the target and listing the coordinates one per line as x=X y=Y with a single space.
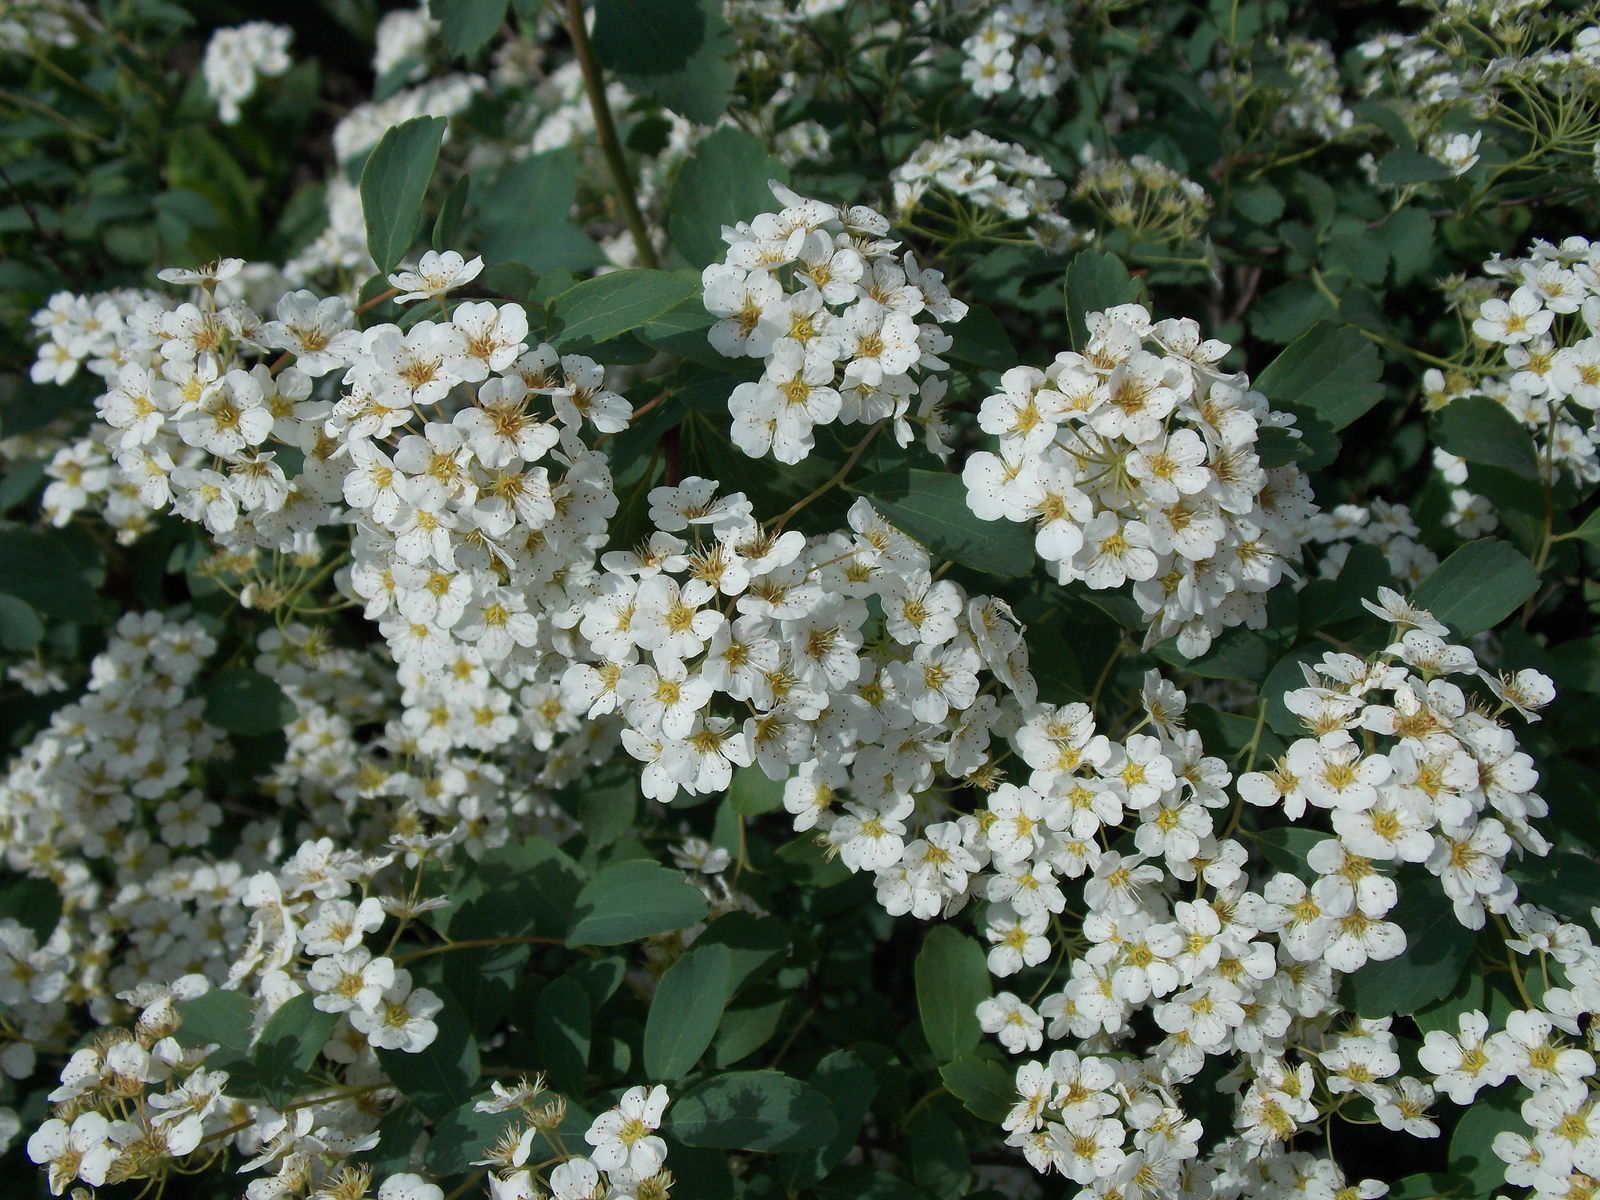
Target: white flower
x=436 y=274
x=82 y=1150
x=1020 y=1029
x=407 y=1186
x=623 y=1138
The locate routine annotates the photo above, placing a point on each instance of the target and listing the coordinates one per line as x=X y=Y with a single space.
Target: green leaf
x=980 y=340
x=464 y=1136
x=632 y=900
x=931 y=506
x=240 y=700
x=752 y=793
x=20 y=626
x=757 y=944
x=1410 y=166
x=546 y=184
x=940 y=1162
x=43 y=574
x=985 y=1087
x=483 y=981
x=222 y=1019
x=952 y=980
x=1259 y=203
x=562 y=1021
x=683 y=1015
x=1408 y=235
x=747 y=1026
x=1330 y=370
x=1438 y=948
x=1289 y=310
x=394 y=182
x=1589 y=531
x=723 y=181
x=199 y=163
x=752 y=1110
x=1286 y=676
x=867 y=1183
x=849 y=1085
x=290 y=1042
x=467 y=25
x=677 y=51
x=1239 y=653
x=448 y=223
x=1567 y=884
x=1480 y=430
x=1095 y=282
x=1492 y=1112
x=612 y=304
x=35 y=904
x=1432 y=1185
x=1328 y=601
x=444 y=1075
x=1278 y=447
x=1386 y=119
x=606 y=808
x=1286 y=847
x=1478 y=585
x=526 y=886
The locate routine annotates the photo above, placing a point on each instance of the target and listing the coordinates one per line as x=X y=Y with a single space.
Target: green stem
x=477 y=944
x=605 y=129
x=824 y=488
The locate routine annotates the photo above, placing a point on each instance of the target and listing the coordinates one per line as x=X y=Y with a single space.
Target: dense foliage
x=857 y=598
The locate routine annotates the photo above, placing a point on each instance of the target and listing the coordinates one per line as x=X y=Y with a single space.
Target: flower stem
x=838 y=478
x=606 y=133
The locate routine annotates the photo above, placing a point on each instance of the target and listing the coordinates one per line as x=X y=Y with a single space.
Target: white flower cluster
x=404 y=35
x=1176 y=933
x=1534 y=66
x=28 y=23
x=1315 y=103
x=1139 y=466
x=1019 y=44
x=163 y=1104
x=1418 y=785
x=989 y=177
x=1312 y=97
x=1388 y=527
x=102 y=805
x=1537 y=320
x=818 y=294
x=626 y=1159
x=237 y=56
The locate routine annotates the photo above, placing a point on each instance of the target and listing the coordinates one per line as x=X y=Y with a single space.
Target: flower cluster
x=237 y=57
x=1021 y=45
x=1479 y=65
x=819 y=295
x=1144 y=197
x=51 y=22
x=1140 y=466
x=1224 y=963
x=148 y=1102
x=988 y=182
x=1535 y=322
x=1306 y=94
x=1387 y=527
x=625 y=1159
